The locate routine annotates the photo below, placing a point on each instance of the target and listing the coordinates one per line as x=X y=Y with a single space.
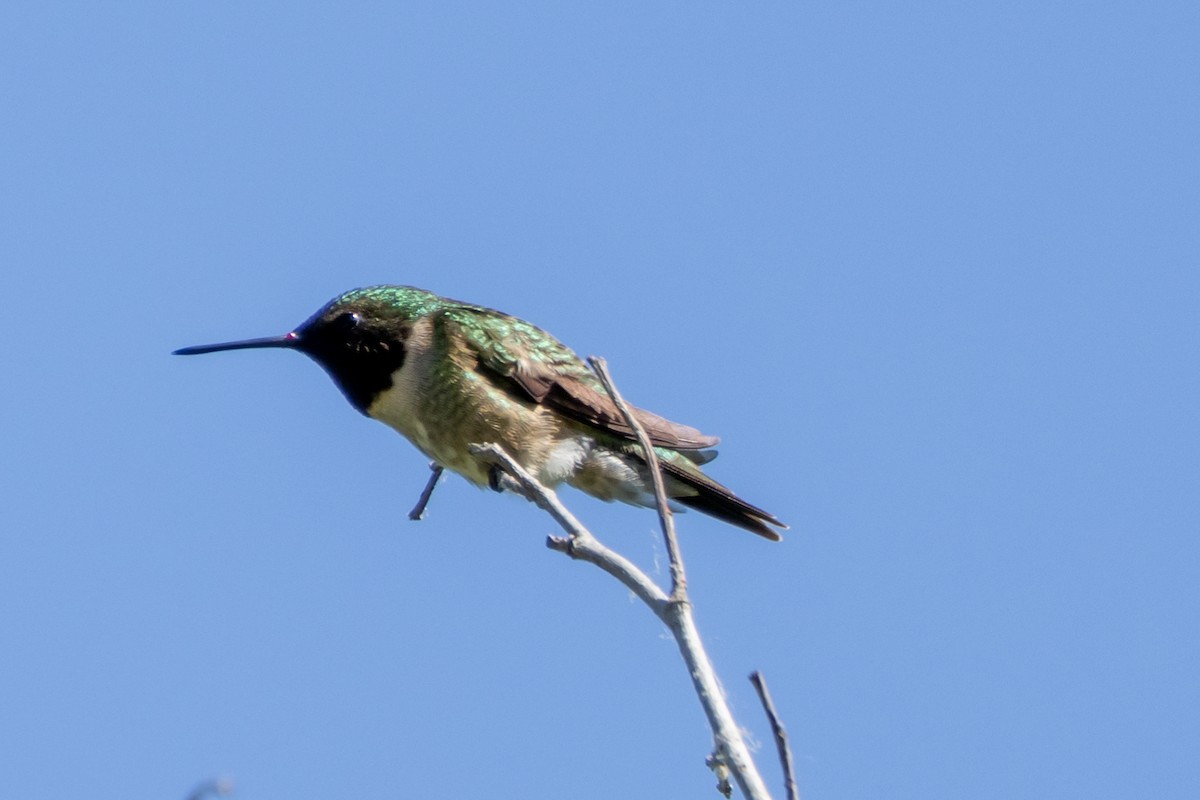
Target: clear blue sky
x=931 y=271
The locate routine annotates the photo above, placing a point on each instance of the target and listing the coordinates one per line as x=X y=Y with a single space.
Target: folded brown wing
x=550 y=374
x=575 y=399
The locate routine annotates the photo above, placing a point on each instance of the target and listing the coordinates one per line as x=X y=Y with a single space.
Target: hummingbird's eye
x=348 y=321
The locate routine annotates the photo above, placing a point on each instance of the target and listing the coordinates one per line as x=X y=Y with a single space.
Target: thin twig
x=435 y=472
x=580 y=543
x=781 y=738
x=730 y=750
x=729 y=744
x=666 y=518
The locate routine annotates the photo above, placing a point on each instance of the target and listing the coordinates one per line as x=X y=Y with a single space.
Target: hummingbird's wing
x=532 y=365
x=536 y=366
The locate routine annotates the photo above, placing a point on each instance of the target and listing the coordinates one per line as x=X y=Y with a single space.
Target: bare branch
x=730 y=755
x=781 y=738
x=593 y=551
x=435 y=472
x=731 y=751
x=580 y=543
x=666 y=518
x=727 y=734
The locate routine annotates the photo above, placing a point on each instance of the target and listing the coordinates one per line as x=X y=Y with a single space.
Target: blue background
x=929 y=269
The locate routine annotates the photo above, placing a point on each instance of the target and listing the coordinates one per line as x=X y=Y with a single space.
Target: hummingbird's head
x=357 y=337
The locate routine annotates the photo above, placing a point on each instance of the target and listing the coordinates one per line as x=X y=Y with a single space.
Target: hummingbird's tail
x=715 y=500
x=735 y=513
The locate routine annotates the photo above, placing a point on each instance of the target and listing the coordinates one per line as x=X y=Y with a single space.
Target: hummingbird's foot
x=496 y=478
x=501 y=481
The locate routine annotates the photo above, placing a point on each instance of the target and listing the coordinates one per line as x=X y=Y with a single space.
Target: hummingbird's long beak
x=288 y=340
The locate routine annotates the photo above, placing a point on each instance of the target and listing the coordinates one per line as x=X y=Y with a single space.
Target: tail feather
x=715 y=500
x=718 y=507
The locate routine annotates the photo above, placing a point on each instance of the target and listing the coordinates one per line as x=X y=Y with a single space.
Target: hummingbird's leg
x=435 y=472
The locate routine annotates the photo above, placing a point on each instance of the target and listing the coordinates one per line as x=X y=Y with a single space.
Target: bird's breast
x=443 y=405
x=403 y=405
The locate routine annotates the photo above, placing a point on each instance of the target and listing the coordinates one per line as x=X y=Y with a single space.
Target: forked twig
x=730 y=754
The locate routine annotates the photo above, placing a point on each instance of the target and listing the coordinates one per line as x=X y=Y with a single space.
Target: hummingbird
x=446 y=374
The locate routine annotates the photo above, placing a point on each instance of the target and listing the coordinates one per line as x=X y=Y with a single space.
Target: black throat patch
x=361 y=362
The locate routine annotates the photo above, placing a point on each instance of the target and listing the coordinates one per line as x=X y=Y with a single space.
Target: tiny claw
x=496 y=478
